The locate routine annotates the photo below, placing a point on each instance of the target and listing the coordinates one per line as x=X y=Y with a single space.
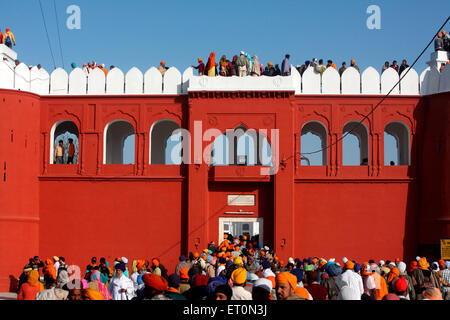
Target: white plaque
x=241 y=200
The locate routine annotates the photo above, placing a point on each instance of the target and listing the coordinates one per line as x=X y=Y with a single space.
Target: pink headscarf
x=95 y=276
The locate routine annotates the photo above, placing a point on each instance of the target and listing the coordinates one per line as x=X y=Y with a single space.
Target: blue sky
x=141 y=33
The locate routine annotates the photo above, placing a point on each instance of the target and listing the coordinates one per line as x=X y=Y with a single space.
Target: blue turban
x=209 y=258
x=229 y=263
x=357 y=267
x=266 y=264
x=120 y=266
x=212 y=286
x=333 y=270
x=218 y=278
x=182 y=258
x=298 y=273
x=310 y=260
x=174 y=280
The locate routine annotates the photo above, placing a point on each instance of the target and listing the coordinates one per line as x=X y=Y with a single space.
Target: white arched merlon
x=115 y=82
x=134 y=81
x=39 y=81
x=409 y=85
x=59 y=81
x=351 y=81
x=429 y=81
x=331 y=81
x=187 y=75
x=22 y=77
x=388 y=79
x=370 y=81
x=444 y=81
x=296 y=80
x=153 y=81
x=172 y=81
x=310 y=81
x=6 y=76
x=96 y=82
x=77 y=81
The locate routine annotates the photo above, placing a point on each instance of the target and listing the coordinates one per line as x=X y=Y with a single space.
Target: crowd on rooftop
x=237 y=269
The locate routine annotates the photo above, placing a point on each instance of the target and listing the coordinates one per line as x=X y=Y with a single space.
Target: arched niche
x=314 y=138
x=355 y=145
x=119 y=143
x=64 y=130
x=165 y=145
x=397 y=144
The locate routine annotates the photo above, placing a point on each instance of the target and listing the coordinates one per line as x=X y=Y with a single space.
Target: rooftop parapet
x=135 y=82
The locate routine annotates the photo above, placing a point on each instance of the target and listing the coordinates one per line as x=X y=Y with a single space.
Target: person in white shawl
x=121 y=287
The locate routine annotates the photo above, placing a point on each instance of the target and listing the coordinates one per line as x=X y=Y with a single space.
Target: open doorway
x=242 y=226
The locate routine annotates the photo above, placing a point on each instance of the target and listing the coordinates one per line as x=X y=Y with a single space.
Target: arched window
x=247 y=148
x=165 y=147
x=396 y=144
x=355 y=145
x=314 y=138
x=220 y=151
x=119 y=143
x=67 y=132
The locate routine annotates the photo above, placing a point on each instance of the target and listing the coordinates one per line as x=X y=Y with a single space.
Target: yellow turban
x=91 y=294
x=237 y=260
x=239 y=276
x=287 y=277
x=423 y=263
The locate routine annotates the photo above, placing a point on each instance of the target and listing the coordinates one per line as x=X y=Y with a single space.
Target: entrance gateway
x=240 y=226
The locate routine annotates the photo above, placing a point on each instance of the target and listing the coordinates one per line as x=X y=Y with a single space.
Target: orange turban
x=441 y=264
x=91 y=294
x=225 y=236
x=353 y=61
x=276 y=259
x=423 y=264
x=140 y=264
x=272 y=278
x=444 y=32
x=163 y=62
x=154 y=281
x=224 y=249
x=349 y=265
x=262 y=253
x=439 y=35
x=184 y=273
x=322 y=263
x=270 y=64
x=196 y=255
x=33 y=278
x=239 y=276
x=302 y=292
x=155 y=262
x=393 y=274
x=314 y=260
x=200 y=60
x=287 y=277
x=364 y=271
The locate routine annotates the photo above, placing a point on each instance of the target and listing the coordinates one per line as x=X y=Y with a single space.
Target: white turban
x=381 y=262
x=401 y=266
x=263 y=283
x=124 y=260
x=267 y=273
x=344 y=260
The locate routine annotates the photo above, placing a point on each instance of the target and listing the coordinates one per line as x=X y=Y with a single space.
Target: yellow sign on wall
x=445 y=249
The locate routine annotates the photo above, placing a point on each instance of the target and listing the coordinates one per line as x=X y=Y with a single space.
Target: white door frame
x=225 y=219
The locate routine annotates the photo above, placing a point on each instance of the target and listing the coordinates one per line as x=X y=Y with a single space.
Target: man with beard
x=121 y=287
